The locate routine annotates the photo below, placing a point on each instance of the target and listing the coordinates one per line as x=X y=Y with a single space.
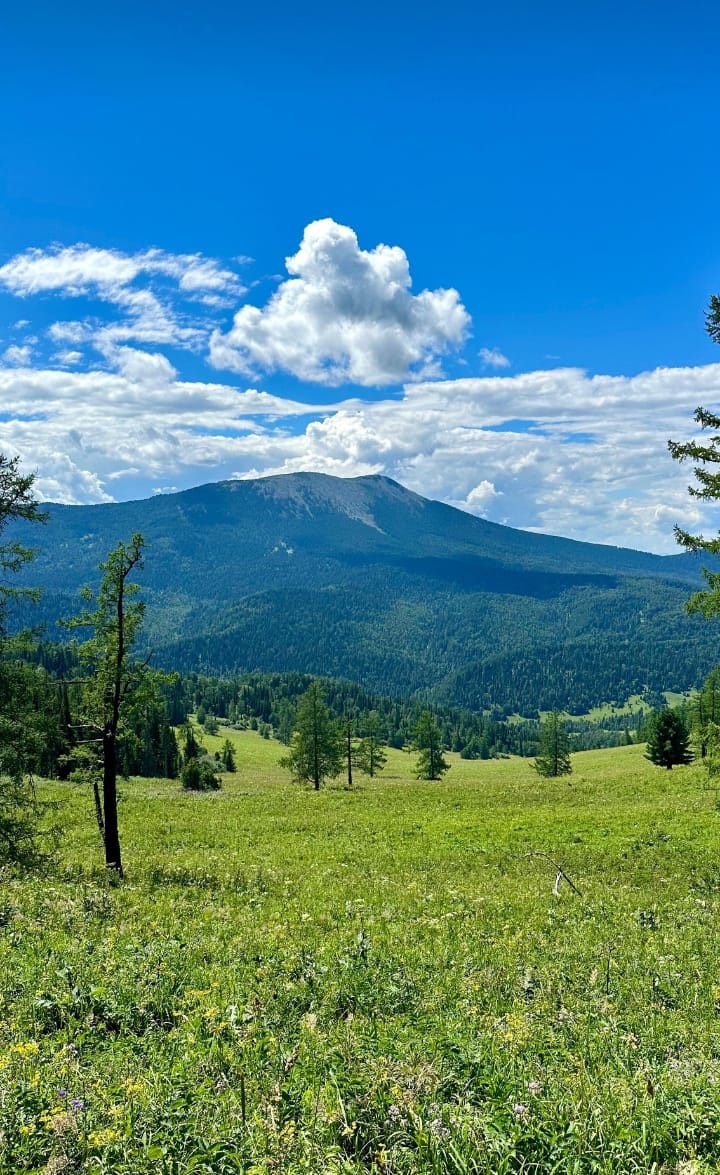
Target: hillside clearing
x=375 y=980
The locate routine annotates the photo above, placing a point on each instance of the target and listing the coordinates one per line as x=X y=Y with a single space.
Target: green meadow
x=383 y=980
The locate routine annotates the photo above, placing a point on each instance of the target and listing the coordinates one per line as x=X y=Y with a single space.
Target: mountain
x=362 y=578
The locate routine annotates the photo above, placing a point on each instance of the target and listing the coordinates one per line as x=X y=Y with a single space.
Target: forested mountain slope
x=363 y=579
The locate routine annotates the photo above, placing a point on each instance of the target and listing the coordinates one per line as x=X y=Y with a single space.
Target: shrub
x=200 y=775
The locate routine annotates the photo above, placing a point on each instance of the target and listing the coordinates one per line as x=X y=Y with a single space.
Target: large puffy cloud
x=346 y=315
x=550 y=450
x=556 y=451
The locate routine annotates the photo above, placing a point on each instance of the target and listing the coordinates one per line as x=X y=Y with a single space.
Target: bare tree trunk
x=98 y=808
x=112 y=835
x=348 y=736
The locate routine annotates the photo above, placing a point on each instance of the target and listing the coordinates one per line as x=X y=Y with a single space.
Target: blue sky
x=555 y=166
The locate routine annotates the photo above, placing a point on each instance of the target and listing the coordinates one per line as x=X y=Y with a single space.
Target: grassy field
x=379 y=980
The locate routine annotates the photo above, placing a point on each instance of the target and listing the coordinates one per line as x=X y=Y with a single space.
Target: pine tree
x=668 y=744
x=316 y=746
x=553 y=757
x=431 y=763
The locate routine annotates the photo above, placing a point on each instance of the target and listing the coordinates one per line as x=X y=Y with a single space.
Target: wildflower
x=77 y=1104
x=62 y=1093
x=393 y=1113
x=519 y=1110
x=101 y=1138
x=437 y=1129
x=535 y=1087
x=27 y=1048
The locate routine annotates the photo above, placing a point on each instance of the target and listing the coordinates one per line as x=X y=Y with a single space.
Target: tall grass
x=377 y=980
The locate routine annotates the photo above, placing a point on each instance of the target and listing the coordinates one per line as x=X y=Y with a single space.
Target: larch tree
x=19 y=809
x=371 y=757
x=114 y=681
x=316 y=749
x=706 y=457
x=349 y=732
x=704 y=712
x=553 y=757
x=431 y=763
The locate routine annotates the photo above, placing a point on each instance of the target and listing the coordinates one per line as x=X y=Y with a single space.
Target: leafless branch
x=561 y=875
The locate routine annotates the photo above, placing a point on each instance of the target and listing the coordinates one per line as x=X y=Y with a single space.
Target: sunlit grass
x=377 y=980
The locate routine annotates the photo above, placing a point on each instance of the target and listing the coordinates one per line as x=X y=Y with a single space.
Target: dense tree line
x=271 y=699
x=576 y=676
x=268 y=701
x=49 y=674
x=444 y=646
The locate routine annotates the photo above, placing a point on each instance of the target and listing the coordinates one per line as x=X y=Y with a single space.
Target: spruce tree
x=668 y=743
x=227 y=755
x=553 y=757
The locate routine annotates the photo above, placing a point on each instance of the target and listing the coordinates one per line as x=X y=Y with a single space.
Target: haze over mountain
x=364 y=579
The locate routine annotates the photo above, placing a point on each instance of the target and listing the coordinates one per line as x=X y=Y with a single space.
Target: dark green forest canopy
x=363 y=580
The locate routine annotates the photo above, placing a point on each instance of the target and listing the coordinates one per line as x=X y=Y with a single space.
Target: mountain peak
x=321 y=493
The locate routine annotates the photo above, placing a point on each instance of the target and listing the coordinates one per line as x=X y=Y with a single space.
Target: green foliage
x=427 y=741
x=191 y=741
x=17 y=505
x=371 y=756
x=115 y=686
x=227 y=756
x=668 y=743
x=553 y=757
x=384 y=983
x=22 y=720
x=316 y=746
x=200 y=774
x=423 y=604
x=704 y=712
x=147 y=744
x=706 y=456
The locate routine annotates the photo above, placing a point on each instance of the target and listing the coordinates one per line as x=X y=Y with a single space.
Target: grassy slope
x=371 y=980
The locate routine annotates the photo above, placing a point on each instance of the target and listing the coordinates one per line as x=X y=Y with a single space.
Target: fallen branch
x=561 y=875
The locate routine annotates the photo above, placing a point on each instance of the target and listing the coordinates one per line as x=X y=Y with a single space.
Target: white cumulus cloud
x=345 y=315
x=82 y=269
x=589 y=459
x=143 y=287
x=18 y=356
x=493 y=357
